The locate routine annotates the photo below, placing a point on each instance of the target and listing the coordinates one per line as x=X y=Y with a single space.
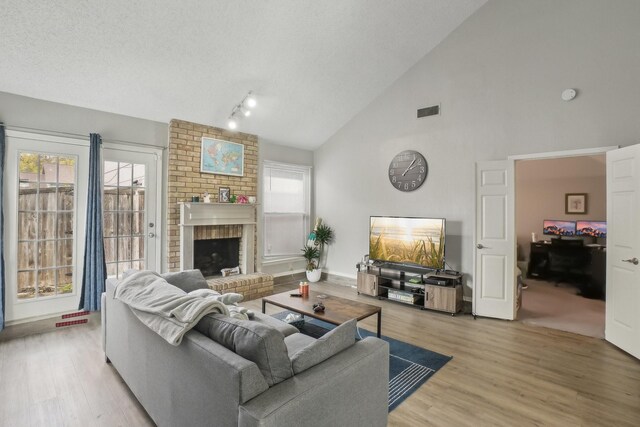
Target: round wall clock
x=408 y=170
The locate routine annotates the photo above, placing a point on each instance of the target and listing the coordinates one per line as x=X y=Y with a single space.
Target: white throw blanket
x=168 y=311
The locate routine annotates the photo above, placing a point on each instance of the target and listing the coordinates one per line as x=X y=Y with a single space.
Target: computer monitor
x=554 y=227
x=596 y=229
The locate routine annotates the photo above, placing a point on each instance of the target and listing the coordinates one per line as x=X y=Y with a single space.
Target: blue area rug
x=409 y=366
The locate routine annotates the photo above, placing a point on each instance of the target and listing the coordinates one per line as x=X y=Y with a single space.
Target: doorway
x=561 y=247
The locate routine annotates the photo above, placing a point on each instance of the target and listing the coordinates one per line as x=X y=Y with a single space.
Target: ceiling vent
x=429 y=111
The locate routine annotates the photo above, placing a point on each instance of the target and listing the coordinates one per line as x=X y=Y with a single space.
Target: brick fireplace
x=185 y=180
x=217 y=221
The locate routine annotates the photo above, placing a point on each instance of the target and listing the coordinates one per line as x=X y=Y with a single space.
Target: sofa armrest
x=351 y=388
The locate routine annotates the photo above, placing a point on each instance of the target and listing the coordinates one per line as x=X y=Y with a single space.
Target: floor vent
x=78 y=314
x=71 y=323
x=429 y=111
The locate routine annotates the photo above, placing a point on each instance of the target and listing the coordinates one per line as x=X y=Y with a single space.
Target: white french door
x=494 y=279
x=130 y=201
x=622 y=326
x=46 y=191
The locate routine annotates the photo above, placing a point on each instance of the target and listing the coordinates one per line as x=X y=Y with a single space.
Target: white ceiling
x=312 y=64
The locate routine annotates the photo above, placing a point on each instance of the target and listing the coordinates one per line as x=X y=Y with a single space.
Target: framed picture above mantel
x=575 y=203
x=221 y=157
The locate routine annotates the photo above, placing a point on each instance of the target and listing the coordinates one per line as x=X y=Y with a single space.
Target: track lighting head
x=241 y=109
x=250 y=101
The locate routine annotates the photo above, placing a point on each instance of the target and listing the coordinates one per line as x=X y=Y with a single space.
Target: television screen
x=558 y=228
x=591 y=228
x=417 y=241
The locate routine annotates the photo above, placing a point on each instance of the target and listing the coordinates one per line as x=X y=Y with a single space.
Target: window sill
x=283 y=260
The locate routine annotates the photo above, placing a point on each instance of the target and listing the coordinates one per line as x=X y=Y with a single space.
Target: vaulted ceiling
x=312 y=64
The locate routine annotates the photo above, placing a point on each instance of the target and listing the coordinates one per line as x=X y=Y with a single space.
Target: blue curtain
x=95 y=269
x=2 y=306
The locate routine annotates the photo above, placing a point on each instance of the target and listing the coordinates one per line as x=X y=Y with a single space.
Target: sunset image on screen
x=407 y=240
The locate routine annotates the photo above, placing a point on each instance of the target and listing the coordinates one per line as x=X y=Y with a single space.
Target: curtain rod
x=78 y=136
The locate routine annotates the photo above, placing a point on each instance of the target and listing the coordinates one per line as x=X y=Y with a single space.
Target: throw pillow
x=333 y=342
x=261 y=344
x=187 y=280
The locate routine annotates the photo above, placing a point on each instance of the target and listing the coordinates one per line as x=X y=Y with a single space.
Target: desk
x=595 y=268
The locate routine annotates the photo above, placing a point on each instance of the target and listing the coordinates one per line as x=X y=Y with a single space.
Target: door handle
x=152 y=235
x=633 y=261
x=480 y=246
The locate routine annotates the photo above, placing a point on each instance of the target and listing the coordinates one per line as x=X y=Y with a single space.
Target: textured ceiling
x=312 y=64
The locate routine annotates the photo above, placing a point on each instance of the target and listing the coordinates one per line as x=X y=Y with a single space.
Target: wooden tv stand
x=425 y=289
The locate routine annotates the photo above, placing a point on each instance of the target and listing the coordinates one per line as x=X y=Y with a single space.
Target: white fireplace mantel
x=193 y=214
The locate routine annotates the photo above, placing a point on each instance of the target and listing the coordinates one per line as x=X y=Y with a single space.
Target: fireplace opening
x=212 y=255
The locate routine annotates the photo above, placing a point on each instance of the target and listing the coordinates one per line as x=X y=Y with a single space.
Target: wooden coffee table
x=337 y=310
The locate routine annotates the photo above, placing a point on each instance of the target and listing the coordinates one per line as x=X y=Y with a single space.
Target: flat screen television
x=413 y=241
x=553 y=227
x=591 y=228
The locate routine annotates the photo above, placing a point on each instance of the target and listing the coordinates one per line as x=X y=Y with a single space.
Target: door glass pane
x=47 y=254
x=47 y=199
x=124 y=216
x=28 y=196
x=125 y=174
x=26 y=284
x=27 y=225
x=27 y=255
x=65 y=225
x=65 y=280
x=46 y=225
x=65 y=198
x=65 y=252
x=66 y=170
x=46 y=283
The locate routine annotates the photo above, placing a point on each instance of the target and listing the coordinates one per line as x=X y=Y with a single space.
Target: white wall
x=498 y=77
x=541 y=186
x=282 y=154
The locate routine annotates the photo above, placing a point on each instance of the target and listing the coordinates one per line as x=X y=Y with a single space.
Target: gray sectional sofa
x=203 y=382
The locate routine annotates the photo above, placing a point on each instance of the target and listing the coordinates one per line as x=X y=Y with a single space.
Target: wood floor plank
x=502 y=374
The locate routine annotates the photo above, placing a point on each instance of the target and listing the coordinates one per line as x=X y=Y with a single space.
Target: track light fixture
x=242 y=109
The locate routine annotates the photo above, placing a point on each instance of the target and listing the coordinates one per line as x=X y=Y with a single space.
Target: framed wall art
x=575 y=203
x=224 y=194
x=221 y=157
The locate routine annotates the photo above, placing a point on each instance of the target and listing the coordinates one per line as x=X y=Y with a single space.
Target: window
x=286 y=201
x=124 y=209
x=46 y=222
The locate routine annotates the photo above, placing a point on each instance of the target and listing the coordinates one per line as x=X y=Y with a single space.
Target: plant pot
x=314 y=275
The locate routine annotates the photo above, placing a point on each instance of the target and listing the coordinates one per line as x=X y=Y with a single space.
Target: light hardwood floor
x=502 y=374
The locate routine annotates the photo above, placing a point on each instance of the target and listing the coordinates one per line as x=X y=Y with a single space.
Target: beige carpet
x=543 y=304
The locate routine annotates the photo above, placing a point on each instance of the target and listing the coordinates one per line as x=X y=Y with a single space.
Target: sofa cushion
x=187 y=280
x=259 y=343
x=283 y=327
x=332 y=342
x=297 y=342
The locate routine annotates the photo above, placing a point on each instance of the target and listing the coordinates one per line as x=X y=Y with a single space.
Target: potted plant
x=324 y=236
x=312 y=255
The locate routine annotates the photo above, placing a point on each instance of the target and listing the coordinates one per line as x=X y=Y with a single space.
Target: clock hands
x=410 y=166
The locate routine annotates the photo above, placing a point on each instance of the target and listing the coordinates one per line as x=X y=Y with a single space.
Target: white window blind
x=286 y=208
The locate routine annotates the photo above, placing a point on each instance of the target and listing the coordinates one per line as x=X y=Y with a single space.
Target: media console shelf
x=413 y=286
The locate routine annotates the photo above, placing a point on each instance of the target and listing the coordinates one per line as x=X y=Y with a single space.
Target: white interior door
x=131 y=213
x=494 y=280
x=623 y=249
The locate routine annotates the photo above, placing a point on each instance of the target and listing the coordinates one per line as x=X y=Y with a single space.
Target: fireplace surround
x=194 y=215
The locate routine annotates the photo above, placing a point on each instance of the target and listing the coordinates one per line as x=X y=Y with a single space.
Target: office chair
x=568 y=259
